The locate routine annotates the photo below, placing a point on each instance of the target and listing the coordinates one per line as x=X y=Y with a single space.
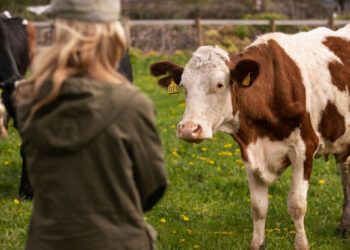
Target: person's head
x=88 y=40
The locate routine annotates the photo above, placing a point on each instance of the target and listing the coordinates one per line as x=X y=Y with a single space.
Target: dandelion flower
x=185 y=218
x=191 y=163
x=292 y=232
x=16 y=201
x=204 y=149
x=246 y=230
x=162 y=220
x=195 y=246
x=243 y=167
x=173 y=126
x=321 y=182
x=269 y=196
x=182 y=240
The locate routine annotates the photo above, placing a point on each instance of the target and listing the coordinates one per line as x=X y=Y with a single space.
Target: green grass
x=207 y=203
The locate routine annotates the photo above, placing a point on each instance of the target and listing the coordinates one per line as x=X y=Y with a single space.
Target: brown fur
x=31 y=40
x=340 y=72
x=332 y=124
x=274 y=104
x=165 y=67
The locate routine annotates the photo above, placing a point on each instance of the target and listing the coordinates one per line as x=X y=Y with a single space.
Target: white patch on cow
x=25 y=22
x=231 y=126
x=207 y=105
x=312 y=57
x=7 y=14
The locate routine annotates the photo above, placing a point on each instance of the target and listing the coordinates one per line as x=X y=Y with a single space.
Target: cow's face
x=206 y=84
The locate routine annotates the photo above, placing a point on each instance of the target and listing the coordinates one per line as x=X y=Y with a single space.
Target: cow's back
x=17 y=36
x=323 y=57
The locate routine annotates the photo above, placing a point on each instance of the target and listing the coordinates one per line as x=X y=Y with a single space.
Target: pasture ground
x=207 y=205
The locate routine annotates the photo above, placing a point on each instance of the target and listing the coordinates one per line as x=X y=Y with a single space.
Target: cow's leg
x=259 y=201
x=344 y=171
x=297 y=202
x=25 y=189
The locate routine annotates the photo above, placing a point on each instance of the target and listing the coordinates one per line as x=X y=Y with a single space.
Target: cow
x=17 y=45
x=284 y=100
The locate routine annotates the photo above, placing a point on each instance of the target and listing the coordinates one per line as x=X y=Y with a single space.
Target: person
x=93 y=152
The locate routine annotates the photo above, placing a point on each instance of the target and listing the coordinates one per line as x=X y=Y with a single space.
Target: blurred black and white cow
x=17 y=42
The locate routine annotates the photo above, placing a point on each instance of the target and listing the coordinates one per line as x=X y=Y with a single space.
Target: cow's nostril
x=182 y=126
x=198 y=130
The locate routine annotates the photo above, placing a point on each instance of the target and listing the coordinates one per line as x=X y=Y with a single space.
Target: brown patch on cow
x=332 y=124
x=31 y=40
x=274 y=105
x=169 y=68
x=340 y=73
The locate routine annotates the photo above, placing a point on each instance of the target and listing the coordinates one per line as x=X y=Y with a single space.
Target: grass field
x=207 y=205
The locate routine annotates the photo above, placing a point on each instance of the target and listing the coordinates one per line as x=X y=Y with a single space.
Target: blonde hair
x=92 y=49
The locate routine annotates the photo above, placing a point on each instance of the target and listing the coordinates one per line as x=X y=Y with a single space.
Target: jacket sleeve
x=146 y=153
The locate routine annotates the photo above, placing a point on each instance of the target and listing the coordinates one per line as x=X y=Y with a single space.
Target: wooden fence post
x=273 y=25
x=331 y=23
x=126 y=24
x=199 y=32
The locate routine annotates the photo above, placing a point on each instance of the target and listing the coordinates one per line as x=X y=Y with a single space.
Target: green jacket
x=96 y=163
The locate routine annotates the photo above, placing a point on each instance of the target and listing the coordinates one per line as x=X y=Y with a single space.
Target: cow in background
x=284 y=99
x=17 y=44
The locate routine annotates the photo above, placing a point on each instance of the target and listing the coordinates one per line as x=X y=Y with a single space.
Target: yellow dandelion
x=195 y=246
x=164 y=130
x=6 y=163
x=218 y=168
x=162 y=220
x=292 y=232
x=185 y=218
x=269 y=230
x=237 y=150
x=285 y=229
x=27 y=214
x=175 y=154
x=328 y=162
x=269 y=195
x=248 y=200
x=246 y=230
x=238 y=161
x=144 y=218
x=243 y=167
x=173 y=126
x=182 y=105
x=174 y=232
x=204 y=149
x=214 y=138
x=321 y=182
x=191 y=163
x=211 y=162
x=277 y=230
x=16 y=201
x=182 y=240
x=227 y=145
x=189 y=231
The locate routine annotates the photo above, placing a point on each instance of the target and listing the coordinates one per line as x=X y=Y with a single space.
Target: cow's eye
x=220 y=85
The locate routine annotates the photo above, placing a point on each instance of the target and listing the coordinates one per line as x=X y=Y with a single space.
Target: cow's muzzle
x=190 y=132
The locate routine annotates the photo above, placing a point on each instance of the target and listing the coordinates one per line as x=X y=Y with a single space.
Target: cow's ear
x=168 y=68
x=245 y=72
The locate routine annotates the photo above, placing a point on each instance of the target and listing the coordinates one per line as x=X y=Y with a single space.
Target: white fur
x=7 y=14
x=205 y=105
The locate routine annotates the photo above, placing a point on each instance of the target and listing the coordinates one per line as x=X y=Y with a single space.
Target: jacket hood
x=83 y=108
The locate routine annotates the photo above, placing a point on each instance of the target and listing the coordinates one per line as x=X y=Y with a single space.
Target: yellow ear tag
x=246 y=80
x=173 y=88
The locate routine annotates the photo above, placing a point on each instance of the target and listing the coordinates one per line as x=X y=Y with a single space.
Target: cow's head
x=206 y=84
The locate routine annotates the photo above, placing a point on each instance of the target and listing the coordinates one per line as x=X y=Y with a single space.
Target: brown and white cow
x=284 y=99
